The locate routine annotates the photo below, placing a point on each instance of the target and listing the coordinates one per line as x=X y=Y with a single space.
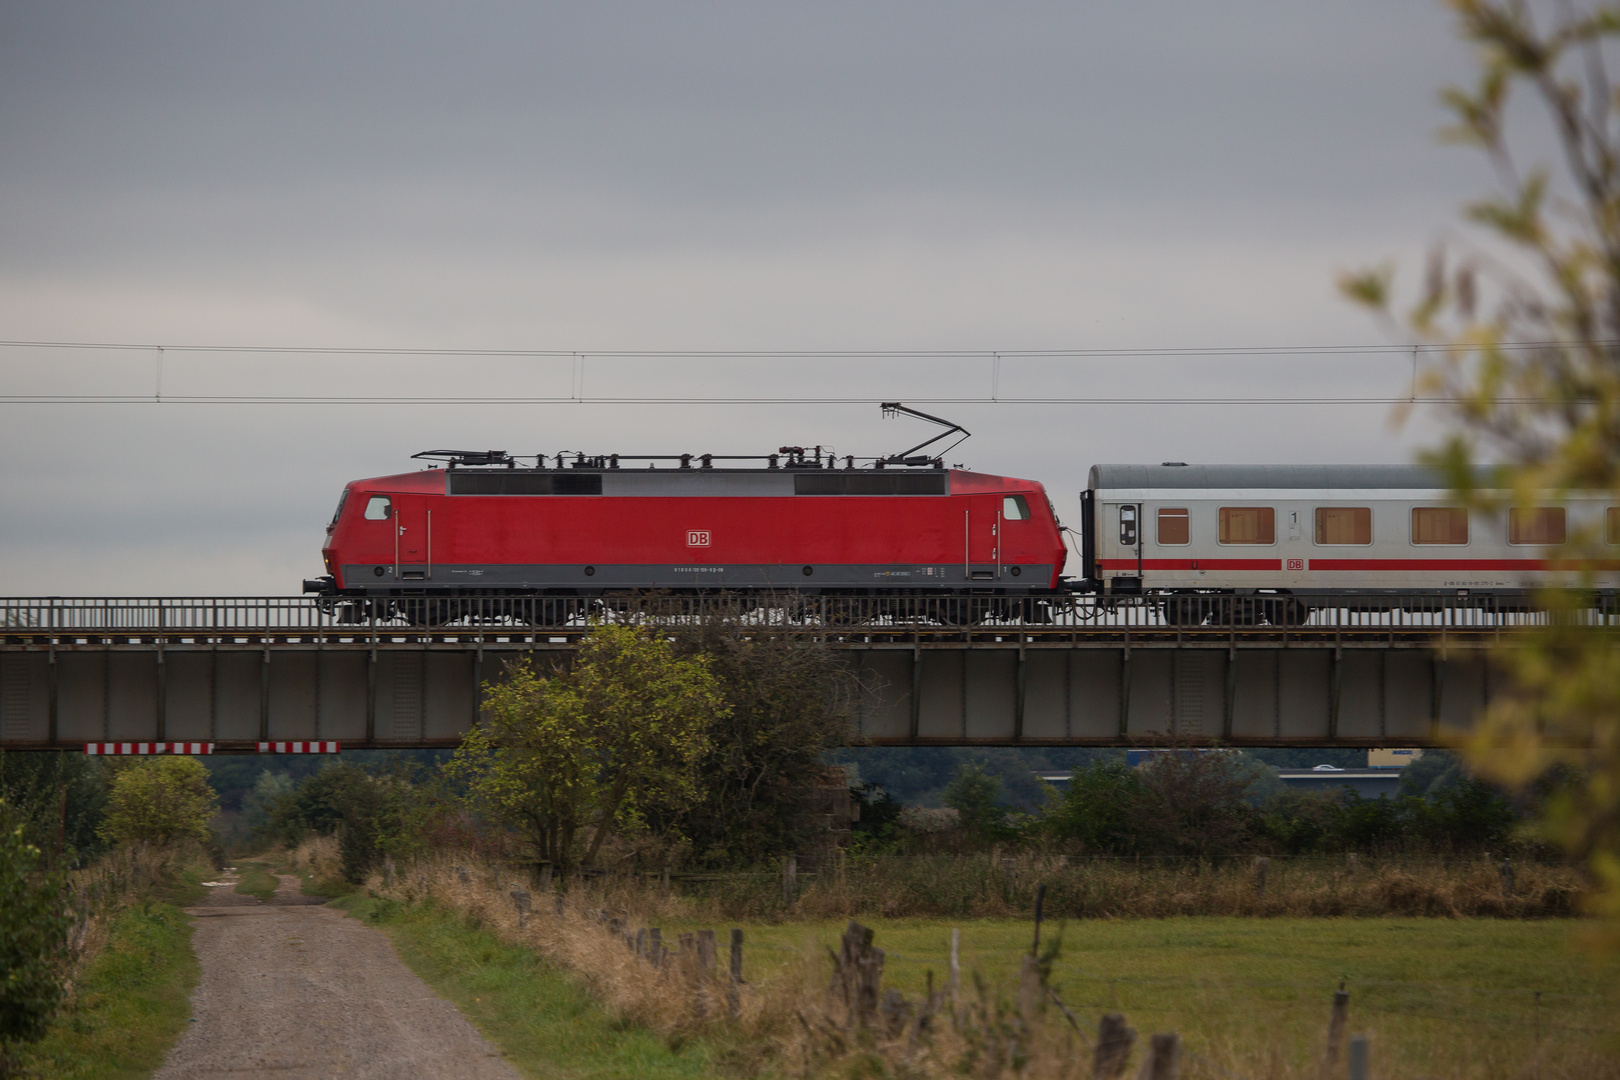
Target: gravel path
x=294 y=990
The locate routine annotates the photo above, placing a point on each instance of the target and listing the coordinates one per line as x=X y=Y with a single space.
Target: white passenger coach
x=1307 y=530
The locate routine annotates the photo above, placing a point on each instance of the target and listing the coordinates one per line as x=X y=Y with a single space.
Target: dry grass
x=988 y=886
x=788 y=1023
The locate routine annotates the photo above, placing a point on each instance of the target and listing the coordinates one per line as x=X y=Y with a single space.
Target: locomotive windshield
x=343 y=498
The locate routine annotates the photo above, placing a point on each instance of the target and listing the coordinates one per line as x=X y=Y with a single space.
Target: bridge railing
x=1185 y=616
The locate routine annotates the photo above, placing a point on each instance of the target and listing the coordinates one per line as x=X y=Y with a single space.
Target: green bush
x=60 y=799
x=976 y=796
x=159 y=801
x=33 y=930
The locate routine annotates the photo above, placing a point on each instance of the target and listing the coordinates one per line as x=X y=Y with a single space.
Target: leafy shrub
x=159 y=801
x=59 y=799
x=33 y=929
x=1095 y=811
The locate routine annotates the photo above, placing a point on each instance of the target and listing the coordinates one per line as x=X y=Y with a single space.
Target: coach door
x=981 y=538
x=1121 y=547
x=413 y=537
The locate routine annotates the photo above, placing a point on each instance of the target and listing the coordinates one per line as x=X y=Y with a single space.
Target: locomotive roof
x=1266 y=476
x=694 y=482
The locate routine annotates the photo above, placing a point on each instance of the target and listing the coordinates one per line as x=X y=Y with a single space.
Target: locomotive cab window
x=1174 y=525
x=1611 y=531
x=1439 y=525
x=1538 y=526
x=379 y=508
x=1014 y=508
x=1248 y=525
x=1344 y=525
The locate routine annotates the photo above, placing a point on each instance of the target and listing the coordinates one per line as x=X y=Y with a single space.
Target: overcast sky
x=696 y=176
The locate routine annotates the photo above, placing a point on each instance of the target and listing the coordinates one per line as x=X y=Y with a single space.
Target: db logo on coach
x=1296 y=564
x=697 y=537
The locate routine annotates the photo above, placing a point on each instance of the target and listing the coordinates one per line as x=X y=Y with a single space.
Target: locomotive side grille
x=869 y=483
x=525 y=483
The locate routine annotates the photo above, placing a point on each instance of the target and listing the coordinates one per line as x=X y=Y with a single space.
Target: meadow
x=1441 y=997
x=1438 y=997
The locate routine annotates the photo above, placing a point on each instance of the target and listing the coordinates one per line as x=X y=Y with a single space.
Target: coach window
x=1014 y=508
x=1540 y=526
x=1612 y=531
x=1248 y=525
x=379 y=508
x=1344 y=525
x=1173 y=525
x=1439 y=525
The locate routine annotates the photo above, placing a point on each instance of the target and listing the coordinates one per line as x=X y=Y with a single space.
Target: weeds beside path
x=546 y=1022
x=130 y=1005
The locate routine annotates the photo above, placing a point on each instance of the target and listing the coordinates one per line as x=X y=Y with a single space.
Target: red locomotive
x=485 y=525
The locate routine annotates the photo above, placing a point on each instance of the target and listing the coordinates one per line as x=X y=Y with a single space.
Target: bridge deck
x=1368 y=670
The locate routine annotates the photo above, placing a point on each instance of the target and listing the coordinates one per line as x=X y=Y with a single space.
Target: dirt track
x=294 y=990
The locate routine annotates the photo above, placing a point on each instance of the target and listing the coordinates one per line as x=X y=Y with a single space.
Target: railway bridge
x=234 y=673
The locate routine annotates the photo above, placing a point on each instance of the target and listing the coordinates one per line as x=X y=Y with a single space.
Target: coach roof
x=1285 y=477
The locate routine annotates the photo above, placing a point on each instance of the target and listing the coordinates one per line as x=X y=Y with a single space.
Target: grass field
x=546 y=1022
x=1439 y=997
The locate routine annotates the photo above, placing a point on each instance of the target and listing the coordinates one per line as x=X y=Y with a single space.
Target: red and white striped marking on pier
x=149 y=748
x=299 y=748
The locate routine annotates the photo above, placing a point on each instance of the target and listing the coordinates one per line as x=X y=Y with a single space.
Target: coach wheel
x=1189 y=610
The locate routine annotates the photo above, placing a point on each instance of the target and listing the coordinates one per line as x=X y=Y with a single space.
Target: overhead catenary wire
x=876 y=399
x=578 y=359
x=1402 y=349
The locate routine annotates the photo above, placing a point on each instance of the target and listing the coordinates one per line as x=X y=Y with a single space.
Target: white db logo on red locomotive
x=697 y=537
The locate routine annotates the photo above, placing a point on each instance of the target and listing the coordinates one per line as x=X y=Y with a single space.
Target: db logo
x=697 y=537
x=1296 y=564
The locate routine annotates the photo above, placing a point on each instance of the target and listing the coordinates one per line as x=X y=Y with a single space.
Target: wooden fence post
x=953 y=988
x=790 y=878
x=1336 y=1023
x=1506 y=870
x=1030 y=997
x=705 y=952
x=1164 y=1057
x=641 y=943
x=1358 y=1057
x=655 y=947
x=1261 y=865
x=733 y=988
x=520 y=901
x=860 y=973
x=1113 y=1050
